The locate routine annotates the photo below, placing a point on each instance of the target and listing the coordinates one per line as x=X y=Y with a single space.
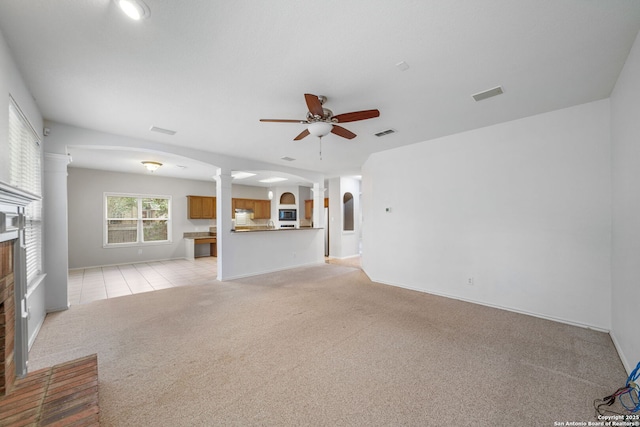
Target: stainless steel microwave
x=287 y=214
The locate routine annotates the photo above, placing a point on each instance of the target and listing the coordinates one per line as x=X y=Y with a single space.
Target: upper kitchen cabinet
x=308 y=207
x=261 y=208
x=201 y=207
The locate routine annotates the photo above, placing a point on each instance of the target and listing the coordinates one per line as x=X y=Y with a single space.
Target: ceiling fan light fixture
x=134 y=9
x=151 y=166
x=320 y=129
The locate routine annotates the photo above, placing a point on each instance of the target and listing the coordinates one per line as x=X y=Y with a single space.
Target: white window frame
x=25 y=173
x=140 y=220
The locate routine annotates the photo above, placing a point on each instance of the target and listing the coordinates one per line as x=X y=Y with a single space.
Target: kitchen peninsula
x=259 y=251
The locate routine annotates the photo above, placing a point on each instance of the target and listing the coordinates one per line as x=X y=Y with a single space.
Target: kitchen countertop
x=256 y=229
x=199 y=235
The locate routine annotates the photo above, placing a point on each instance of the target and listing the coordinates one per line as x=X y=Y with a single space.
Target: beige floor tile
x=92 y=284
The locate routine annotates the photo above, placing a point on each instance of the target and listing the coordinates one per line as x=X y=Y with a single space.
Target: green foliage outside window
x=137 y=219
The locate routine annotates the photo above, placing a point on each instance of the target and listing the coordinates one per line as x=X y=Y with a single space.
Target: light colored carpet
x=323 y=345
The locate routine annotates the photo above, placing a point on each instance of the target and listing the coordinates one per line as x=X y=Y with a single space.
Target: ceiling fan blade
x=283 y=121
x=314 y=104
x=302 y=135
x=357 y=115
x=340 y=131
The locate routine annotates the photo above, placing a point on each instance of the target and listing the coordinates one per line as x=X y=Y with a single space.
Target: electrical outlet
x=139 y=251
x=470 y=281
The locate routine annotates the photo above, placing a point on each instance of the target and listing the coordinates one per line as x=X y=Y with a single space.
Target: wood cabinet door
x=241 y=204
x=308 y=209
x=262 y=209
x=201 y=207
x=208 y=207
x=194 y=207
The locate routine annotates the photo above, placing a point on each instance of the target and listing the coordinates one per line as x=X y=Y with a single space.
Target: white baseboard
x=627 y=366
x=514 y=310
x=33 y=336
x=131 y=262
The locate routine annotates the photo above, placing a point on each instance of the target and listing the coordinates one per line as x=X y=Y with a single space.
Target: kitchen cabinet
x=308 y=207
x=201 y=207
x=261 y=208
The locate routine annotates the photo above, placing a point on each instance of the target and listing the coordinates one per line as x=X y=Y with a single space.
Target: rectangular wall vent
x=160 y=130
x=488 y=93
x=385 y=132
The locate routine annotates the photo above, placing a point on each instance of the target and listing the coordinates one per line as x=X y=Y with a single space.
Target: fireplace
x=13 y=288
x=7 y=317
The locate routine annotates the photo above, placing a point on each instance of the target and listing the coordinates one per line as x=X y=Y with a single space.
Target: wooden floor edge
x=58 y=395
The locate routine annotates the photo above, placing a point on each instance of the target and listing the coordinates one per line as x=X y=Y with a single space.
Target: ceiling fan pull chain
x=320 y=138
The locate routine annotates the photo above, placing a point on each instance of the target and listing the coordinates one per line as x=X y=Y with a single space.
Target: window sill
x=31 y=287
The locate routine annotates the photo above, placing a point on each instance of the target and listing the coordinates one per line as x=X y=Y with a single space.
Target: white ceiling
x=211 y=69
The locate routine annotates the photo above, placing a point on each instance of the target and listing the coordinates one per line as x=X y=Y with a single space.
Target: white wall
x=86 y=188
x=625 y=134
x=249 y=192
x=523 y=208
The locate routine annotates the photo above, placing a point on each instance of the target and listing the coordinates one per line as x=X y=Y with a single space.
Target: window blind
x=25 y=173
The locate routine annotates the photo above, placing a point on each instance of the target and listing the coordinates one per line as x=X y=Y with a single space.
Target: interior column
x=56 y=240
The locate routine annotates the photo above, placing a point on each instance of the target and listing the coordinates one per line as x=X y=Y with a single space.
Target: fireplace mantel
x=14 y=196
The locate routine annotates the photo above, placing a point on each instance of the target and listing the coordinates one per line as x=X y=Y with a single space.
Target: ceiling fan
x=321 y=121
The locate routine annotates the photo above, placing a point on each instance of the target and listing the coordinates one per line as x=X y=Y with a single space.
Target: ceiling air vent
x=385 y=132
x=160 y=130
x=488 y=93
x=288 y=159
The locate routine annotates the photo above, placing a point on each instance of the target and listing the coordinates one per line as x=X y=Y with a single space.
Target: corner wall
x=625 y=136
x=521 y=209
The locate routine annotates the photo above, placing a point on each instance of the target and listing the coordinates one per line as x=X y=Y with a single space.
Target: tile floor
x=91 y=284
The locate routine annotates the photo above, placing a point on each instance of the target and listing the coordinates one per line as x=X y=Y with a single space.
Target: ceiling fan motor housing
x=326 y=116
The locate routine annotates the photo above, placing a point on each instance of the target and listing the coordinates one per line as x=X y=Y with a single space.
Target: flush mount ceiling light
x=320 y=129
x=151 y=166
x=134 y=9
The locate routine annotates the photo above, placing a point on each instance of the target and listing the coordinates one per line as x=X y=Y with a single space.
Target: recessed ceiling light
x=274 y=179
x=241 y=175
x=134 y=9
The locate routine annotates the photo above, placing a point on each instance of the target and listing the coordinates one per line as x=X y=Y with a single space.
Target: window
x=137 y=219
x=25 y=173
x=347 y=211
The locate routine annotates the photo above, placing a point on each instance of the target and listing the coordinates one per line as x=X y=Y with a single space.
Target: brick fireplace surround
x=7 y=318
